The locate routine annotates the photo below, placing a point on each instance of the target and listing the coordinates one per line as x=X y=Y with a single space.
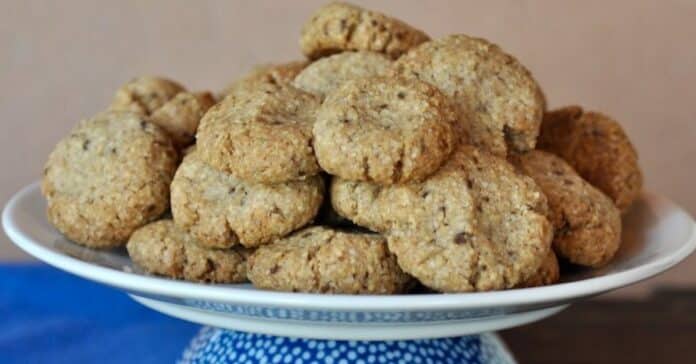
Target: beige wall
x=60 y=61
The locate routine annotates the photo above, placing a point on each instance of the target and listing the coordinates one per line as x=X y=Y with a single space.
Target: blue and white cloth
x=222 y=346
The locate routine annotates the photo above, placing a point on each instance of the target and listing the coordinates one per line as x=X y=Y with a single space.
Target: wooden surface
x=658 y=329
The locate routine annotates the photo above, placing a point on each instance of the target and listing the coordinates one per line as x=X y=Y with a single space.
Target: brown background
x=61 y=61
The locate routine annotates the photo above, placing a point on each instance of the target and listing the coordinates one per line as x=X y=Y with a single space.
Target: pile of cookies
x=384 y=161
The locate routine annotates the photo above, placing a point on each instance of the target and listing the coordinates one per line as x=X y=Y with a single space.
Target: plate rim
x=152 y=285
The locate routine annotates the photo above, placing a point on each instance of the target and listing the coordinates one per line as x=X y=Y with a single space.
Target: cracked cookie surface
x=164 y=249
x=499 y=103
x=261 y=136
x=327 y=74
x=221 y=211
x=274 y=74
x=587 y=224
x=597 y=147
x=386 y=130
x=110 y=176
x=338 y=27
x=474 y=225
x=324 y=260
x=181 y=115
x=145 y=94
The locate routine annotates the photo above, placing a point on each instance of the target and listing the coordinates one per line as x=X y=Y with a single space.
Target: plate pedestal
x=213 y=345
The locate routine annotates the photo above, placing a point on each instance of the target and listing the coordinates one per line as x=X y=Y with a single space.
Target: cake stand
x=244 y=324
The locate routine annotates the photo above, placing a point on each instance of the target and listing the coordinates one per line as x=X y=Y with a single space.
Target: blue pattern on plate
x=213 y=345
x=338 y=316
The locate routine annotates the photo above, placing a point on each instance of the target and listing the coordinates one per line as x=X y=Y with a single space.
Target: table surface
x=48 y=314
x=658 y=329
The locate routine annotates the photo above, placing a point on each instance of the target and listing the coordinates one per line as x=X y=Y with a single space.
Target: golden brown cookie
x=474 y=225
x=587 y=224
x=599 y=150
x=261 y=136
x=221 y=211
x=324 y=260
x=338 y=27
x=548 y=273
x=327 y=74
x=500 y=104
x=180 y=116
x=110 y=176
x=145 y=94
x=281 y=73
x=162 y=248
x=386 y=130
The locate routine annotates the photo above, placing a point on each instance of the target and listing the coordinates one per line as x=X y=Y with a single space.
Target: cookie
x=261 y=136
x=500 y=104
x=586 y=222
x=221 y=211
x=281 y=73
x=599 y=150
x=338 y=27
x=162 y=248
x=474 y=225
x=547 y=274
x=180 y=116
x=327 y=74
x=386 y=130
x=325 y=260
x=110 y=176
x=145 y=94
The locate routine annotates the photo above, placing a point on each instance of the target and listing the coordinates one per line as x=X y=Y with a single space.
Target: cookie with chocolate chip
x=325 y=260
x=338 y=27
x=164 y=249
x=277 y=73
x=500 y=105
x=327 y=74
x=547 y=274
x=384 y=130
x=474 y=225
x=597 y=147
x=145 y=94
x=263 y=135
x=222 y=211
x=108 y=177
x=587 y=224
x=180 y=116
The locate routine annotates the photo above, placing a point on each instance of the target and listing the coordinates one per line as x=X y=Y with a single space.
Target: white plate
x=657 y=235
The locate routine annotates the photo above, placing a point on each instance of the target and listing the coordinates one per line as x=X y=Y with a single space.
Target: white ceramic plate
x=657 y=235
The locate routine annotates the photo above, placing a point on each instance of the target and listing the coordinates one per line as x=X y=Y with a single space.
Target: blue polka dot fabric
x=213 y=345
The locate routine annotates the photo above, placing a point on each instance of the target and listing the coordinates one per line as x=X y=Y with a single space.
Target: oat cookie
x=164 y=249
x=547 y=274
x=327 y=74
x=261 y=136
x=145 y=94
x=474 y=225
x=386 y=130
x=222 y=211
x=324 y=260
x=338 y=27
x=110 y=176
x=587 y=224
x=500 y=104
x=599 y=150
x=281 y=73
x=180 y=116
